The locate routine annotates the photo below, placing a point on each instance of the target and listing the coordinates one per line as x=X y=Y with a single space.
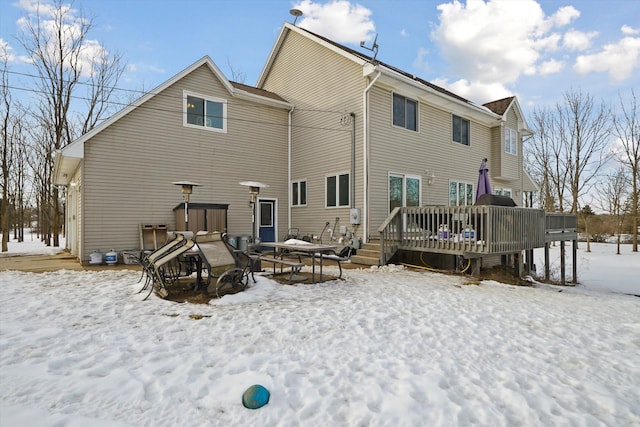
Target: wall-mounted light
x=430 y=177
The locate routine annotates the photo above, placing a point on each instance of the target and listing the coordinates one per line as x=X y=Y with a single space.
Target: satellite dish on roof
x=297 y=13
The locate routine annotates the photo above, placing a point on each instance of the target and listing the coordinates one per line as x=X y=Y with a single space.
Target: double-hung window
x=205 y=112
x=299 y=193
x=460 y=130
x=405 y=112
x=510 y=141
x=337 y=190
x=460 y=193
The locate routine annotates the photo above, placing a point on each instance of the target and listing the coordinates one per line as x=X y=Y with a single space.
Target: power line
x=145 y=106
x=144 y=93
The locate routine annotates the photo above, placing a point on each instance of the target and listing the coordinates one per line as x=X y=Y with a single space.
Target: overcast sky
x=480 y=50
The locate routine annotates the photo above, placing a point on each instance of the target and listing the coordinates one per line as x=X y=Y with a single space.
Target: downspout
x=365 y=158
x=353 y=160
x=289 y=195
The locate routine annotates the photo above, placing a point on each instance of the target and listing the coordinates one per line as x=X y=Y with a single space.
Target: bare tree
x=56 y=40
x=613 y=193
x=7 y=145
x=547 y=163
x=626 y=127
x=584 y=128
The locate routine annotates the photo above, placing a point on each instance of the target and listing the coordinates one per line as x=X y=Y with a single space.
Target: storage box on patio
x=203 y=217
x=152 y=236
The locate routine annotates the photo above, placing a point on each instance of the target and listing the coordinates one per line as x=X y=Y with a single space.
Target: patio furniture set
x=221 y=268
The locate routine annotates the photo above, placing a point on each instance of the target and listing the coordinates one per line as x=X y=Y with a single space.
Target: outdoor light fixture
x=187 y=189
x=430 y=177
x=254 y=191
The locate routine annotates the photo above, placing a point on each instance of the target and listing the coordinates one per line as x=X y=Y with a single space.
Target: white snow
x=385 y=347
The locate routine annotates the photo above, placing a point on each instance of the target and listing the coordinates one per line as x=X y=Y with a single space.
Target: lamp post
x=254 y=191
x=187 y=189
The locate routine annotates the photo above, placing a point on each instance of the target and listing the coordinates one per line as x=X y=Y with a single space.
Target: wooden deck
x=472 y=231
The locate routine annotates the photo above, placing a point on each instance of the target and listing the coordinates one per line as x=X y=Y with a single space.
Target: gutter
x=365 y=158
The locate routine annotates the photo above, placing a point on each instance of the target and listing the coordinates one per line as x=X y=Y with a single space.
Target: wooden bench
x=295 y=266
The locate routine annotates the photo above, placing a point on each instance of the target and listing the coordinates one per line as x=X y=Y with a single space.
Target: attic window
x=205 y=112
x=405 y=112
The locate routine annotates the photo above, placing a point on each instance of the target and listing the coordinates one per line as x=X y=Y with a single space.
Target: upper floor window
x=299 y=193
x=405 y=112
x=337 y=190
x=207 y=112
x=510 y=141
x=460 y=193
x=460 y=130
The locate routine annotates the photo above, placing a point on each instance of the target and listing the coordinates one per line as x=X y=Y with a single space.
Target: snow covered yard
x=390 y=347
x=381 y=348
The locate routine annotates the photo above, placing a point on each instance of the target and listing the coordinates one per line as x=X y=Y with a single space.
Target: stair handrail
x=390 y=235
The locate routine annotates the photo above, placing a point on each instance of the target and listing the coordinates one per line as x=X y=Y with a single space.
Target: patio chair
x=216 y=255
x=163 y=267
x=147 y=258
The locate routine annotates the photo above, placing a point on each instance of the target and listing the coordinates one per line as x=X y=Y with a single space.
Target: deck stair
x=368 y=254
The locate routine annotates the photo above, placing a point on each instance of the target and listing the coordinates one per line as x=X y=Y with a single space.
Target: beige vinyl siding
x=509 y=165
x=430 y=150
x=129 y=166
x=323 y=86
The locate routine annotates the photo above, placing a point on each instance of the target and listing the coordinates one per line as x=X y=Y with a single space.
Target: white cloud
x=421 y=60
x=551 y=66
x=478 y=91
x=629 y=31
x=404 y=33
x=619 y=59
x=564 y=16
x=493 y=41
x=490 y=44
x=339 y=20
x=578 y=40
x=6 y=51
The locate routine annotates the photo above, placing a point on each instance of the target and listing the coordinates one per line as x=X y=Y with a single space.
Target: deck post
x=563 y=267
x=574 y=251
x=517 y=263
x=475 y=267
x=546 y=262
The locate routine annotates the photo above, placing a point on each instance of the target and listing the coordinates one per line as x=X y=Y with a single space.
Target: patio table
x=314 y=251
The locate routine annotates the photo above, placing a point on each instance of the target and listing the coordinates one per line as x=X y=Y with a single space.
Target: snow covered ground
x=385 y=347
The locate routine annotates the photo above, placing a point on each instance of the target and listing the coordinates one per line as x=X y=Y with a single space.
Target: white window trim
x=417 y=113
x=515 y=145
x=298 y=181
x=404 y=177
x=468 y=132
x=467 y=184
x=337 y=176
x=222 y=101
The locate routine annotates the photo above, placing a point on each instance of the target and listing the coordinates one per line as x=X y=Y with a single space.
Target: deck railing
x=471 y=231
